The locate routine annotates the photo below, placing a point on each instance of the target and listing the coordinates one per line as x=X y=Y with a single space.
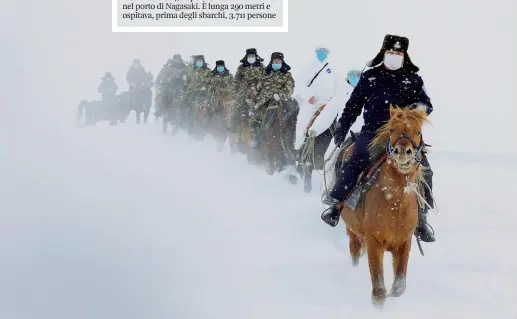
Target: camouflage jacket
x=218 y=86
x=276 y=82
x=247 y=80
x=197 y=80
x=171 y=77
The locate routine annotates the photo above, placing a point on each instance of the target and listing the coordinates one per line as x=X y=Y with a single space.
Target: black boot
x=331 y=214
x=423 y=230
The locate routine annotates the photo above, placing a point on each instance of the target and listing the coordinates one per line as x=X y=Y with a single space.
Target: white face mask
x=392 y=61
x=251 y=60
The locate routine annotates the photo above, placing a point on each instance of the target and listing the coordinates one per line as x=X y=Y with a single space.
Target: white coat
x=322 y=88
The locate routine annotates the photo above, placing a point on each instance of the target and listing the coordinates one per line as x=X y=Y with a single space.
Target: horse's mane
x=383 y=134
x=406 y=115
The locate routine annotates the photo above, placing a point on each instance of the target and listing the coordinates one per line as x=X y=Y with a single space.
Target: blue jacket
x=376 y=90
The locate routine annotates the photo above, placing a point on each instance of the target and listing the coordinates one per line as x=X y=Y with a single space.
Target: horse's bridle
x=403 y=136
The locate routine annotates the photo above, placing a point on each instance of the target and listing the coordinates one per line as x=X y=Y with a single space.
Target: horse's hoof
x=307 y=187
x=355 y=261
x=292 y=179
x=378 y=301
x=398 y=288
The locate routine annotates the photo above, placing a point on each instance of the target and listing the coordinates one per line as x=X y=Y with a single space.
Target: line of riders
x=256 y=111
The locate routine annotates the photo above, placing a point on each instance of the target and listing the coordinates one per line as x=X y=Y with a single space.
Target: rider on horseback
x=277 y=85
x=195 y=91
x=108 y=89
x=393 y=80
x=169 y=84
x=247 y=78
x=136 y=76
x=220 y=83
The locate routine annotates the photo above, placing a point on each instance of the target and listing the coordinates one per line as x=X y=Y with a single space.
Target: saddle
x=368 y=177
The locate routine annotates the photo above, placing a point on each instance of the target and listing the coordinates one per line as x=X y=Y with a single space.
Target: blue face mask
x=276 y=66
x=353 y=80
x=199 y=64
x=251 y=60
x=220 y=69
x=322 y=56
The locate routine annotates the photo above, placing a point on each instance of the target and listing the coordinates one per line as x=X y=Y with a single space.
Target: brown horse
x=240 y=140
x=386 y=216
x=213 y=119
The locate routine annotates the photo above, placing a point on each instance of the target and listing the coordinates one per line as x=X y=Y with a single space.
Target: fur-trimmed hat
x=277 y=55
x=258 y=61
x=394 y=43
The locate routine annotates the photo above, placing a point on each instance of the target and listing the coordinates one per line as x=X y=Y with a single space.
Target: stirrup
x=328 y=221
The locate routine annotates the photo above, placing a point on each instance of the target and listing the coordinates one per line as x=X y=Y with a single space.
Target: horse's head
x=403 y=137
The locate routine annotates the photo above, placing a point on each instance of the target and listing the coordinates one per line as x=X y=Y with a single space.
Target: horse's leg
x=355 y=244
x=400 y=261
x=165 y=125
x=375 y=263
x=307 y=176
x=146 y=116
x=137 y=114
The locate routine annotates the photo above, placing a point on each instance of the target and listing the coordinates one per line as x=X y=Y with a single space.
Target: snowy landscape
x=123 y=222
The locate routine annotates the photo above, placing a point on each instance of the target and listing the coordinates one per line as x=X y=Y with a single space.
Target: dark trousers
x=355 y=165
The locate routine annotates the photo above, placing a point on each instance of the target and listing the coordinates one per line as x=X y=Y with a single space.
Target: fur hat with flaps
x=258 y=61
x=394 y=43
x=218 y=64
x=200 y=57
x=277 y=55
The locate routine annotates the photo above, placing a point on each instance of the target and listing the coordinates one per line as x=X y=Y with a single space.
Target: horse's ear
x=393 y=110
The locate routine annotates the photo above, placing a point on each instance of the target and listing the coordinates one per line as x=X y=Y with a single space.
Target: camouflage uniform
x=196 y=85
x=169 y=85
x=281 y=83
x=219 y=84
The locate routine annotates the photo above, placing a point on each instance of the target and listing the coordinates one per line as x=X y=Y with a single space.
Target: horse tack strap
x=377 y=165
x=315 y=116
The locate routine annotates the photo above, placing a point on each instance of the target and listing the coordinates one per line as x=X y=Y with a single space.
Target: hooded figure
x=392 y=81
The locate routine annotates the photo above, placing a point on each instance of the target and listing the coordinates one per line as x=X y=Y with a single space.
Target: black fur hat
x=220 y=63
x=258 y=61
x=394 y=43
x=278 y=55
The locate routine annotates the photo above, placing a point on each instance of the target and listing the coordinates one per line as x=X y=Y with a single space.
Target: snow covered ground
x=126 y=223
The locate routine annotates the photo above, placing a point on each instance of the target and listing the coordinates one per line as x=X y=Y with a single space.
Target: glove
x=418 y=106
x=276 y=97
x=339 y=134
x=312 y=133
